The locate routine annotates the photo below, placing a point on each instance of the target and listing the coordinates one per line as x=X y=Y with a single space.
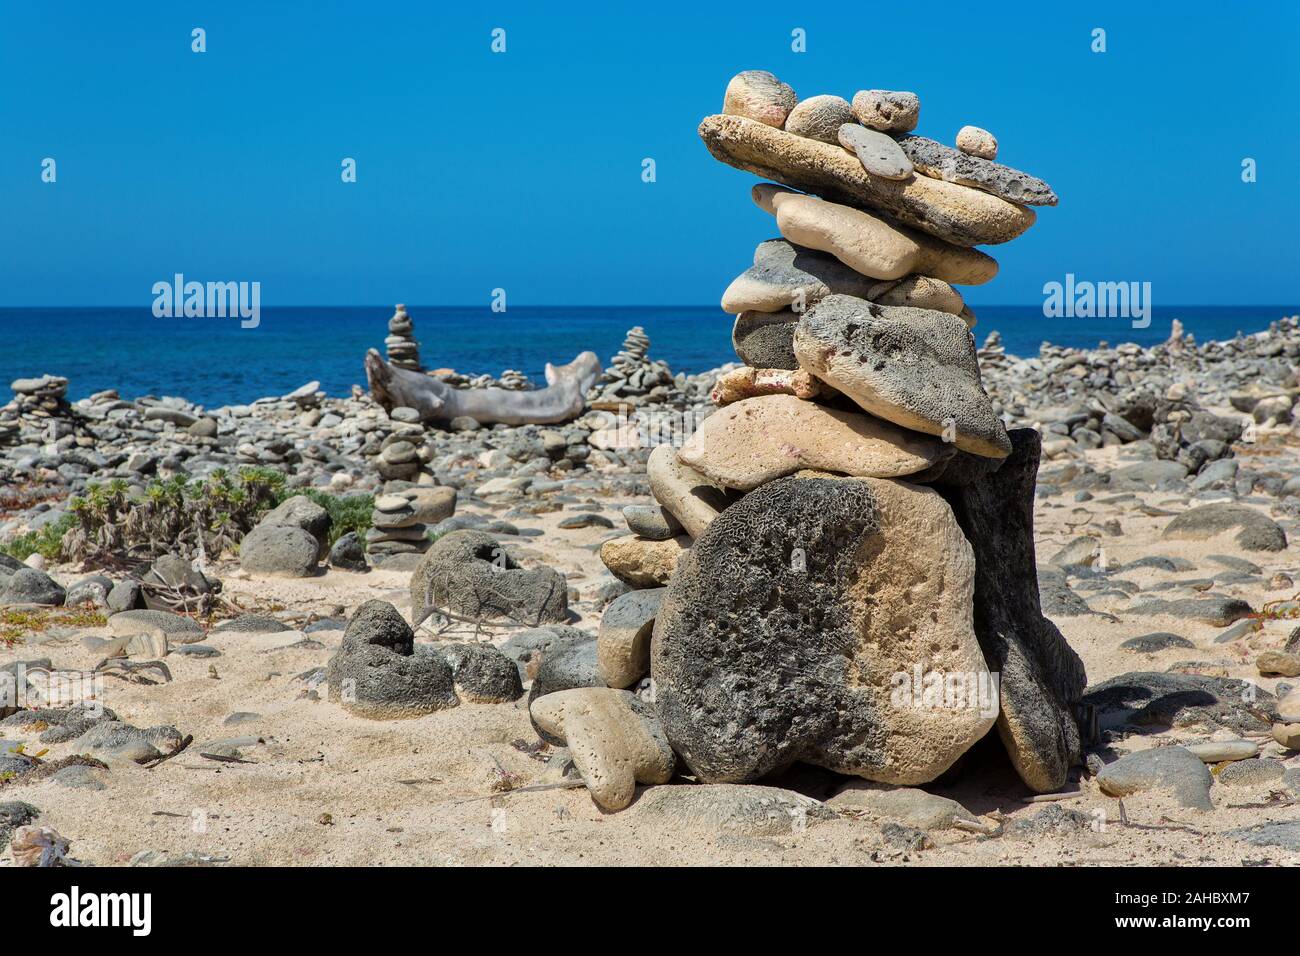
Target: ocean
x=215 y=362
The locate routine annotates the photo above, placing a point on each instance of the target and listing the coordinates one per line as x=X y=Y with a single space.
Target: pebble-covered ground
x=1190 y=622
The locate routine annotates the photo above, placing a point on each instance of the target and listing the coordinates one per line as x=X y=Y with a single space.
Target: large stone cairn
x=842 y=554
x=403 y=350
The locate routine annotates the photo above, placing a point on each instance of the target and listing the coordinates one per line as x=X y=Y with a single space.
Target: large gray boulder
x=1172 y=769
x=469 y=573
x=377 y=673
x=791 y=630
x=1255 y=531
x=301 y=512
x=30 y=586
x=279 y=549
x=913 y=367
x=1042 y=676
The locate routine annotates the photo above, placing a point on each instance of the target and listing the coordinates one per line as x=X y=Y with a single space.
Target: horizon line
x=476 y=306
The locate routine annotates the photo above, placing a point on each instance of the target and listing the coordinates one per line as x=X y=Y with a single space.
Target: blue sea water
x=215 y=362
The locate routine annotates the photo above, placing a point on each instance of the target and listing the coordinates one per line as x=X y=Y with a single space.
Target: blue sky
x=522 y=170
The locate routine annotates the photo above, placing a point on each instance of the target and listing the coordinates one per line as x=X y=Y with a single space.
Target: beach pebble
x=759 y=95
x=878 y=153
x=974 y=141
x=886 y=110
x=651 y=521
x=820 y=118
x=1216 y=751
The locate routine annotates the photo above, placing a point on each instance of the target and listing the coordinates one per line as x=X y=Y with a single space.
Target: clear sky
x=522 y=170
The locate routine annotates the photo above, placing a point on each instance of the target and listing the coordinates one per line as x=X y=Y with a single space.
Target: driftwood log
x=436 y=401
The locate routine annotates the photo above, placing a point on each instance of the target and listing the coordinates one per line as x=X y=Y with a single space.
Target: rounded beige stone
x=974 y=141
x=760 y=96
x=826 y=224
x=613 y=746
x=757 y=440
x=819 y=118
x=919 y=292
x=686 y=494
x=641 y=562
x=859 y=240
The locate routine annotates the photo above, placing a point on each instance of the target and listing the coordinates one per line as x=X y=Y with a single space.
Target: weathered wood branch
x=562 y=400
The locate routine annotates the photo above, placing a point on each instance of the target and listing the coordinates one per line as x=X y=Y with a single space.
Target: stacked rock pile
x=401 y=519
x=852 y=529
x=37 y=403
x=514 y=380
x=632 y=375
x=403 y=350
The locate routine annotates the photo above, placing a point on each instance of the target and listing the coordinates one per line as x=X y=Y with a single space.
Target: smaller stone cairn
x=632 y=375
x=40 y=407
x=403 y=350
x=514 y=381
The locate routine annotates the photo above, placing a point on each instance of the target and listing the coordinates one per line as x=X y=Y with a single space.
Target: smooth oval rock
x=974 y=141
x=754 y=441
x=888 y=111
x=819 y=117
x=878 y=153
x=758 y=95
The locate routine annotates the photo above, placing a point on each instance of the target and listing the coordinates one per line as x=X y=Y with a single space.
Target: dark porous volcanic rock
x=766 y=339
x=468 y=572
x=1042 y=676
x=301 y=512
x=376 y=673
x=932 y=158
x=279 y=549
x=349 y=553
x=483 y=674
x=913 y=367
x=783 y=630
x=31 y=586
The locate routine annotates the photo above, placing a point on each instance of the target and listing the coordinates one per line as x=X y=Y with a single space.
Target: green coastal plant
x=178 y=515
x=347 y=512
x=44 y=541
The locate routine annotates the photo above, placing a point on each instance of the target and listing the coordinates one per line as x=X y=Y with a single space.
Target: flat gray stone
x=1173 y=769
x=1166 y=699
x=783 y=274
x=1158 y=641
x=1255 y=530
x=879 y=154
x=734 y=808
x=653 y=522
x=934 y=159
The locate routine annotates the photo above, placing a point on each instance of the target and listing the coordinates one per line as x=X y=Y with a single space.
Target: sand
x=328 y=788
